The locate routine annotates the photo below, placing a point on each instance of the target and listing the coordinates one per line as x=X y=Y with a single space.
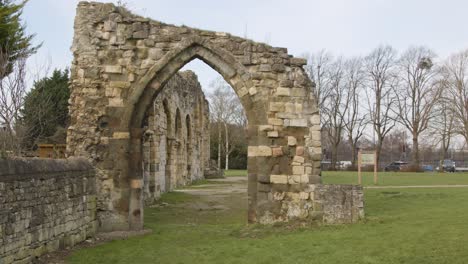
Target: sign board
x=367 y=158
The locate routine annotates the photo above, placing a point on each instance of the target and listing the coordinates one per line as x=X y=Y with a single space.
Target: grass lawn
x=402 y=226
x=233 y=173
x=385 y=178
x=396 y=178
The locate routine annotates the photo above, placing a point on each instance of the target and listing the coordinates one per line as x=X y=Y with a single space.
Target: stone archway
x=121 y=62
x=189 y=145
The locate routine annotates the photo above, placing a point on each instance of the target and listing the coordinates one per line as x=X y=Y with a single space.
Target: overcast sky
x=343 y=27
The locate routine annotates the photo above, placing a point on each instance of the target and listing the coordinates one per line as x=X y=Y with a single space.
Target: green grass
x=385 y=178
x=402 y=226
x=395 y=178
x=234 y=173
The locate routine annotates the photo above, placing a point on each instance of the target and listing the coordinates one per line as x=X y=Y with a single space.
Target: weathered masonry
x=44 y=205
x=123 y=61
x=175 y=141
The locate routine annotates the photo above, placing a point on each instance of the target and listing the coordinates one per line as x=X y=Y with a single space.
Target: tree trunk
x=227 y=146
x=415 y=153
x=219 y=145
x=353 y=152
x=378 y=149
x=334 y=158
x=443 y=153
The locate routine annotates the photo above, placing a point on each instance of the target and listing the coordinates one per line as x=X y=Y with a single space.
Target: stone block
x=277 y=106
x=121 y=135
x=140 y=34
x=273 y=134
x=298 y=61
x=286 y=116
x=298 y=122
x=113 y=69
x=300 y=151
x=282 y=91
x=292 y=141
x=289 y=107
x=298 y=92
x=279 y=179
x=315 y=135
x=275 y=121
x=298 y=170
x=259 y=151
x=298 y=159
x=304 y=195
x=264 y=68
x=277 y=152
x=113 y=92
x=116 y=102
x=110 y=26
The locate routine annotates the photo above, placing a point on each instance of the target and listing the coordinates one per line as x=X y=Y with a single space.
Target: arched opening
x=178 y=175
x=166 y=150
x=174 y=135
x=189 y=147
x=178 y=161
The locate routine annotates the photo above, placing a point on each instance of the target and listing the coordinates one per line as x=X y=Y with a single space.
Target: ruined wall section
x=44 y=205
x=122 y=60
x=176 y=137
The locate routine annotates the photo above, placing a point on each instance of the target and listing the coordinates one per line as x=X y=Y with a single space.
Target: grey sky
x=343 y=27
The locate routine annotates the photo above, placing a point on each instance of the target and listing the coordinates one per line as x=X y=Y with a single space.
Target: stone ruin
x=176 y=145
x=138 y=129
x=123 y=68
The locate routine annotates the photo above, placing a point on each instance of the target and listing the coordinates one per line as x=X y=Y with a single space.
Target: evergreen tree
x=14 y=42
x=45 y=113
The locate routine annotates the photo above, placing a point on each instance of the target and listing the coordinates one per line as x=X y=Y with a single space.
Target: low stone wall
x=339 y=204
x=318 y=203
x=44 y=205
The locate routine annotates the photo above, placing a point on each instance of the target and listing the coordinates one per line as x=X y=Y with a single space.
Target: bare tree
x=455 y=71
x=417 y=94
x=380 y=66
x=337 y=107
x=319 y=70
x=225 y=108
x=355 y=122
x=12 y=92
x=443 y=127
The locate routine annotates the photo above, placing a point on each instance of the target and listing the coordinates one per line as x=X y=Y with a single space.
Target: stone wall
x=321 y=203
x=44 y=205
x=176 y=137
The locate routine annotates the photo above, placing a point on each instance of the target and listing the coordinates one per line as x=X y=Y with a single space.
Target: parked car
x=395 y=166
x=427 y=168
x=448 y=165
x=345 y=164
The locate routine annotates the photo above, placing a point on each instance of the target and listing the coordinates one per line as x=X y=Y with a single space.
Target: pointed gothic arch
x=122 y=61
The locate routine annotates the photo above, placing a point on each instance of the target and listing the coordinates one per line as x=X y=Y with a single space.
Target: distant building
x=52 y=151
